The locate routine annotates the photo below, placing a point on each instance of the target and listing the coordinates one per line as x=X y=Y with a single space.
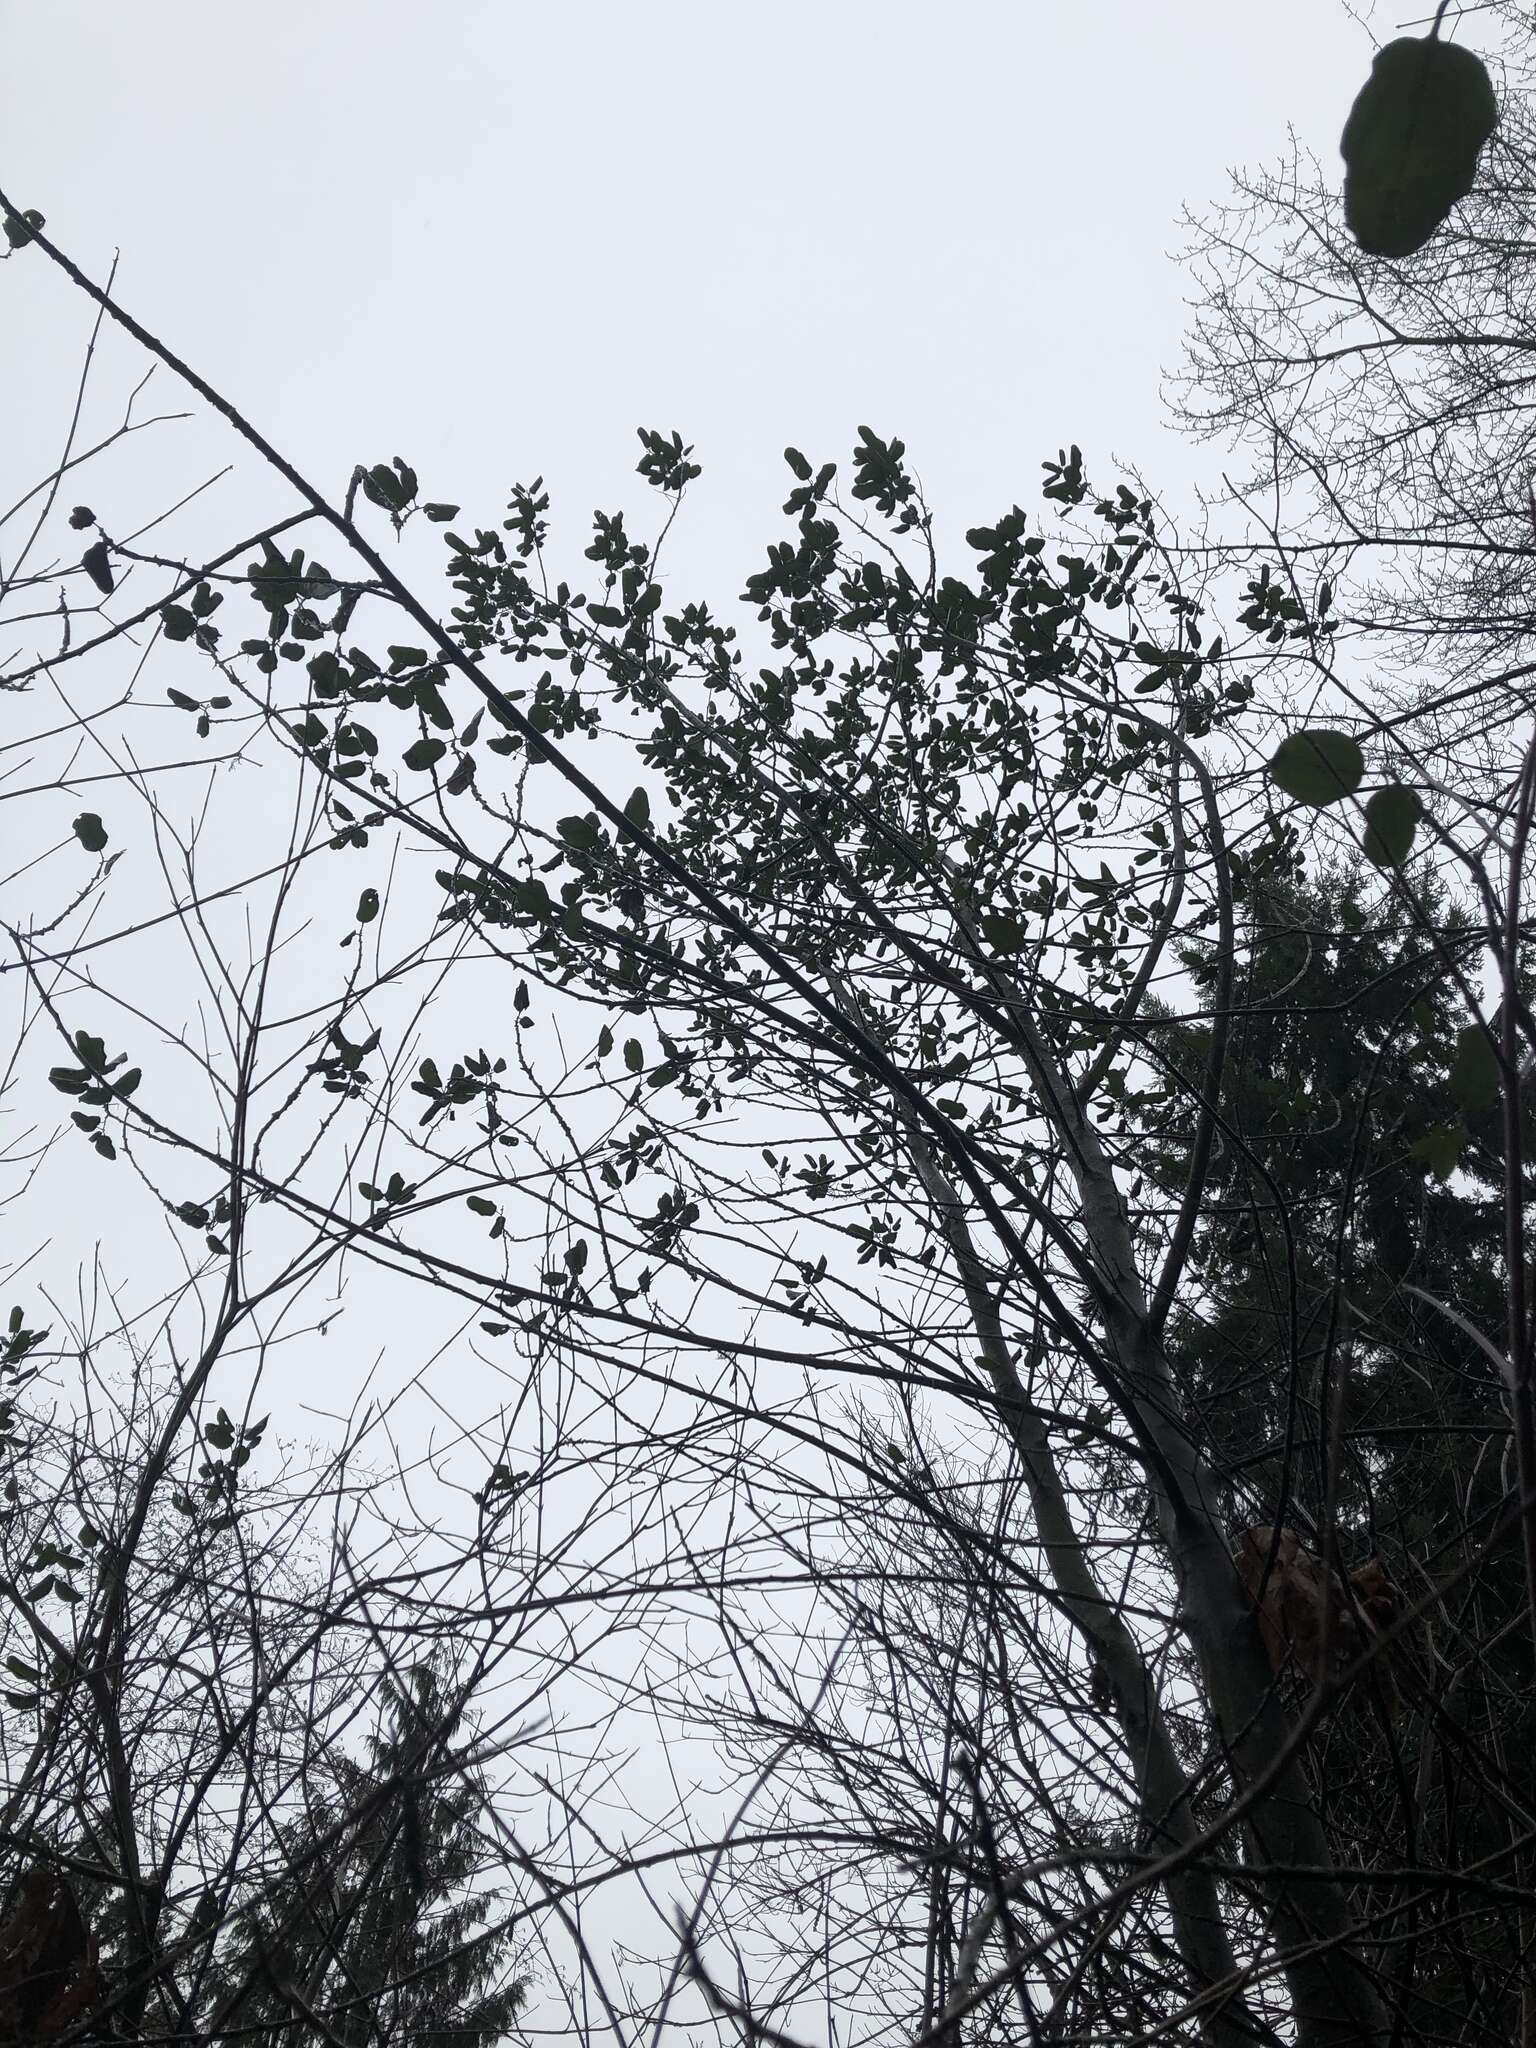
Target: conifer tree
x=388 y=1941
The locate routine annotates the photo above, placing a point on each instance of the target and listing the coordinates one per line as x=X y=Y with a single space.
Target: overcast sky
x=495 y=237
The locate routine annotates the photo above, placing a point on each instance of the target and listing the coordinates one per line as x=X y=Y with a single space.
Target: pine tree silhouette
x=388 y=1943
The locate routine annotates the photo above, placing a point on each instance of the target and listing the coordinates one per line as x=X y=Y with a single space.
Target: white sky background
x=494 y=239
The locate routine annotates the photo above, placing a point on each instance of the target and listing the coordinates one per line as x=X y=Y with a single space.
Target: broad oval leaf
x=90 y=832
x=97 y=564
x=1411 y=143
x=1004 y=934
x=580 y=833
x=1391 y=818
x=1317 y=766
x=1474 y=1075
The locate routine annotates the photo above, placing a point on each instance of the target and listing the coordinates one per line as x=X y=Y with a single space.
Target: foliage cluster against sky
x=850 y=1251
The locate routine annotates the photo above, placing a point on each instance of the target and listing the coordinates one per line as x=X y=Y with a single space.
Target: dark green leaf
x=97 y=565
x=1317 y=767
x=1391 y=818
x=90 y=832
x=1411 y=143
x=384 y=487
x=21 y=227
x=1002 y=933
x=1474 y=1075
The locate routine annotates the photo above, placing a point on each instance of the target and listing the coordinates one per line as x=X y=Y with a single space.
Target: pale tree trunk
x=1333 y=1995
x=1162 y=1786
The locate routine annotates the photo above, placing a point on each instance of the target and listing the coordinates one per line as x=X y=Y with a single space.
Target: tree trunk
x=1333 y=1997
x=1162 y=1786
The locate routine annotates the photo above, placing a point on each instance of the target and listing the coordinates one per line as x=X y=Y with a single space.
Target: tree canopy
x=862 y=1262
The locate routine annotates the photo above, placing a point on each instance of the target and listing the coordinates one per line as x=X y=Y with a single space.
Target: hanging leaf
x=21 y=227
x=1391 y=818
x=1004 y=934
x=580 y=833
x=383 y=486
x=1411 y=143
x=90 y=832
x=1317 y=767
x=368 y=906
x=1474 y=1075
x=98 y=566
